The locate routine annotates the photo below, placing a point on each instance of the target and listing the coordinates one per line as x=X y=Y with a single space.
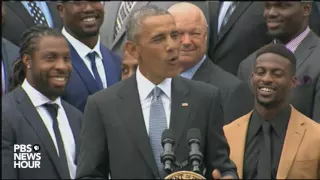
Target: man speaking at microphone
x=123 y=124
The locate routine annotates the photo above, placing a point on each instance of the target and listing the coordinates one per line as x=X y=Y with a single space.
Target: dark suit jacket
x=111 y=8
x=21 y=124
x=10 y=53
x=114 y=139
x=18 y=20
x=305 y=97
x=237 y=99
x=82 y=83
x=244 y=33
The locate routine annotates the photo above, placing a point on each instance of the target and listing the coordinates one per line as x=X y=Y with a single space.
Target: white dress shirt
x=145 y=89
x=83 y=51
x=223 y=11
x=38 y=100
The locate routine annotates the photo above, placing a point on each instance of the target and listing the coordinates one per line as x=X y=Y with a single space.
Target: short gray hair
x=135 y=20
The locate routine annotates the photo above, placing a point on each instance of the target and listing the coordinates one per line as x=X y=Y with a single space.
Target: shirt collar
x=294 y=43
x=190 y=72
x=278 y=123
x=82 y=49
x=145 y=86
x=37 y=98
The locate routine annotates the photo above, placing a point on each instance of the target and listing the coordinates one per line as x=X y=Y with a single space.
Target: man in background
x=274 y=141
x=33 y=113
x=95 y=66
x=194 y=64
x=287 y=23
x=23 y=15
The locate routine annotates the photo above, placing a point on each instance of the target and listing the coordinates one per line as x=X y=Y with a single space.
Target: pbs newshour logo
x=26 y=156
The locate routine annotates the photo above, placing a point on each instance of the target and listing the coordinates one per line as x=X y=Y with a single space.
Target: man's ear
x=293 y=81
x=307 y=8
x=26 y=59
x=60 y=9
x=131 y=48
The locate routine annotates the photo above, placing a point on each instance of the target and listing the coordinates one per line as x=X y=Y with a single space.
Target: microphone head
x=167 y=137
x=194 y=134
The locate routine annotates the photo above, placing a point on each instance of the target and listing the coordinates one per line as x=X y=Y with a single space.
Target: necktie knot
x=266 y=127
x=156 y=92
x=92 y=56
x=53 y=109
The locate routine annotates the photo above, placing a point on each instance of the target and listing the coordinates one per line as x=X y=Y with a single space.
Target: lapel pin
x=184 y=104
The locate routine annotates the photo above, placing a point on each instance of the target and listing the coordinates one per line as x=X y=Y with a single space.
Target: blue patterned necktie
x=158 y=123
x=92 y=57
x=37 y=14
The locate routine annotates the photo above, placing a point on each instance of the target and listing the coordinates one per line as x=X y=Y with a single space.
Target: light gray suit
x=111 y=11
x=306 y=96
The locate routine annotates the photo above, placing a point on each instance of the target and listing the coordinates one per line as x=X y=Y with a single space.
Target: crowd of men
x=95 y=84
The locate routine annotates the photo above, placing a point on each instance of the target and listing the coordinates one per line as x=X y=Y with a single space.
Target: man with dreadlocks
x=34 y=113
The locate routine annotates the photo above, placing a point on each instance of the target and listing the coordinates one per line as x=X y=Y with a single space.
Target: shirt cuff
x=230 y=173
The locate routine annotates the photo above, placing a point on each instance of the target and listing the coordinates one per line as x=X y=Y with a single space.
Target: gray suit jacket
x=237 y=99
x=111 y=8
x=114 y=137
x=21 y=124
x=10 y=53
x=306 y=96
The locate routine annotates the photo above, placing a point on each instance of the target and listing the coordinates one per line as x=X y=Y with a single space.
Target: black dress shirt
x=255 y=139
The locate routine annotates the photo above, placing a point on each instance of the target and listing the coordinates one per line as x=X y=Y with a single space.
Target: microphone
x=195 y=156
x=167 y=156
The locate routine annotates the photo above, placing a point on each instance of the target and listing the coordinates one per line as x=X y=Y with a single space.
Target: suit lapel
x=83 y=71
x=75 y=126
x=21 y=11
x=294 y=135
x=57 y=22
x=204 y=71
x=5 y=64
x=130 y=110
x=179 y=117
x=214 y=9
x=112 y=73
x=305 y=48
x=111 y=13
x=236 y=136
x=29 y=111
x=123 y=29
x=240 y=9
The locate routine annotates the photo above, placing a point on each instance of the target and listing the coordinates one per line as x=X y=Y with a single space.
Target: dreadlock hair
x=28 y=44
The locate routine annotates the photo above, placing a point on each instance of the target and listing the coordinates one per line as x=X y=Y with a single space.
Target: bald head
x=188 y=10
x=192 y=25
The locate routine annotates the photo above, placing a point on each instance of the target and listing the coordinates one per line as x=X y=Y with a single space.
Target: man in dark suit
x=305 y=45
x=237 y=99
x=113 y=31
x=22 y=16
x=95 y=66
x=34 y=113
x=123 y=124
x=9 y=53
x=236 y=30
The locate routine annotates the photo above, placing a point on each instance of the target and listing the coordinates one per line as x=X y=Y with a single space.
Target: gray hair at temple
x=138 y=16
